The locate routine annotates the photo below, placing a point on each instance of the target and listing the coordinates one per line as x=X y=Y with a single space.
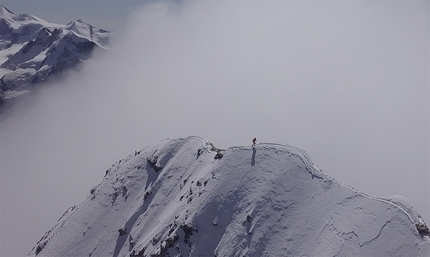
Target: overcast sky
x=346 y=81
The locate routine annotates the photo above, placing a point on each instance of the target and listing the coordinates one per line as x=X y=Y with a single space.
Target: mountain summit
x=185 y=197
x=32 y=49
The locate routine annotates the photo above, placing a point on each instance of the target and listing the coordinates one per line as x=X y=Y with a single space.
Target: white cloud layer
x=347 y=82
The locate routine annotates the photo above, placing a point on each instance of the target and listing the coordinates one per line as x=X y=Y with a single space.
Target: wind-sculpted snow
x=176 y=199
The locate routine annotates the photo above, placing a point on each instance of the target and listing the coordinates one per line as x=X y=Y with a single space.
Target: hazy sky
x=346 y=81
x=109 y=14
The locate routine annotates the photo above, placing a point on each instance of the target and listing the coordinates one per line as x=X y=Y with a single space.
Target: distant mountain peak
x=35 y=49
x=76 y=23
x=8 y=15
x=4 y=11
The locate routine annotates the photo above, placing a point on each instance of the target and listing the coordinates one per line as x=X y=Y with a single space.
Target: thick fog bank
x=347 y=82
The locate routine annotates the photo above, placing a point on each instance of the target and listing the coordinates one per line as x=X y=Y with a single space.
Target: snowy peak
x=73 y=25
x=31 y=49
x=16 y=21
x=89 y=32
x=81 y=28
x=10 y=16
x=6 y=14
x=185 y=197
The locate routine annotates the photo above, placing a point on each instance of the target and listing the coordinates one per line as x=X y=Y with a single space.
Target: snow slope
x=31 y=49
x=184 y=197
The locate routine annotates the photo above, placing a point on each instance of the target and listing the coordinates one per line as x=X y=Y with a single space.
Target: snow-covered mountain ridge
x=32 y=49
x=185 y=197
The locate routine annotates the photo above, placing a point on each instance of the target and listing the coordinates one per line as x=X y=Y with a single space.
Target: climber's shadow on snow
x=253 y=156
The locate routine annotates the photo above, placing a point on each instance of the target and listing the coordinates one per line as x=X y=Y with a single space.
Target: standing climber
x=254 y=141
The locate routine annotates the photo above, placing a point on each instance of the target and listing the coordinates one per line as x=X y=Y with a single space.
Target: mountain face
x=32 y=49
x=185 y=197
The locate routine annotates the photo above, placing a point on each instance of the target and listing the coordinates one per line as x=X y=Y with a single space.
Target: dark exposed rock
x=122 y=232
x=423 y=229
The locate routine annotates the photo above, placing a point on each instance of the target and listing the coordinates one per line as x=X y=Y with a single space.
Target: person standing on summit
x=254 y=141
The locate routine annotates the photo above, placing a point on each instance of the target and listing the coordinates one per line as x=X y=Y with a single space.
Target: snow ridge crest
x=185 y=197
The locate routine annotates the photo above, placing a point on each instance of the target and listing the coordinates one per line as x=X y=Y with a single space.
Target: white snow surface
x=176 y=199
x=17 y=21
x=85 y=30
